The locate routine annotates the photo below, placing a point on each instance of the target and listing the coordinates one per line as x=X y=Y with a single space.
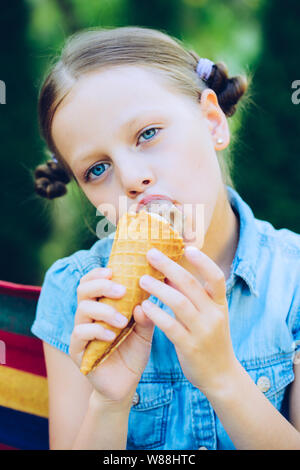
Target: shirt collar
x=245 y=260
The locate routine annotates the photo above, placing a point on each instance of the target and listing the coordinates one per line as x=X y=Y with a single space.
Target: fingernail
x=108 y=334
x=147 y=304
x=145 y=280
x=191 y=251
x=154 y=254
x=118 y=290
x=120 y=319
x=106 y=271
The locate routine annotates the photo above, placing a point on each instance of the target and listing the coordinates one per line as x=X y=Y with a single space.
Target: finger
x=214 y=278
x=179 y=303
x=84 y=333
x=140 y=317
x=90 y=310
x=144 y=327
x=97 y=273
x=184 y=281
x=99 y=288
x=173 y=329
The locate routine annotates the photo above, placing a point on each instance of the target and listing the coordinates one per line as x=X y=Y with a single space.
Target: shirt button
x=263 y=383
x=202 y=448
x=136 y=399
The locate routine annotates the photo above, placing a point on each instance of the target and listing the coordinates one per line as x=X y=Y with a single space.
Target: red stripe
x=20 y=290
x=23 y=353
x=5 y=447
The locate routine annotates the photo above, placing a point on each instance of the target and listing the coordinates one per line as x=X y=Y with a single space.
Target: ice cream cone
x=136 y=234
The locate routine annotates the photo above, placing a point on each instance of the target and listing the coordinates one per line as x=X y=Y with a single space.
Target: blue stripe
x=23 y=430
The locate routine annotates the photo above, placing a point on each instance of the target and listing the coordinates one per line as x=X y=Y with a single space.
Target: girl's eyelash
x=149 y=129
x=86 y=175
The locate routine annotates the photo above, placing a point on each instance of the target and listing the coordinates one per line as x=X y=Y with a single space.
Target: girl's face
x=124 y=127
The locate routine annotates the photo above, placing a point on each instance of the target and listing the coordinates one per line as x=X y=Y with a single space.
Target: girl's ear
x=216 y=119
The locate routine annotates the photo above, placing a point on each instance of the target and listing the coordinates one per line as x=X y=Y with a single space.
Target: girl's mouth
x=151 y=198
x=168 y=211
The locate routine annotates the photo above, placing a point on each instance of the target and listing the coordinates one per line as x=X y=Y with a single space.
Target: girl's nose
x=134 y=192
x=135 y=178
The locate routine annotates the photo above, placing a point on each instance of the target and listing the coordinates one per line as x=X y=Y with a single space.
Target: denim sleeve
x=296 y=329
x=295 y=319
x=57 y=304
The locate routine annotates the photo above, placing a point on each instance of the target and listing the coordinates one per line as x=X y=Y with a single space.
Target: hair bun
x=228 y=90
x=50 y=180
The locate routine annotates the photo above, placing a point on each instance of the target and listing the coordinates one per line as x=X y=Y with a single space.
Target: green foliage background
x=257 y=37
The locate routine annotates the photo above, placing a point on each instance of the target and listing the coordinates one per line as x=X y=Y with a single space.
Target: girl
x=130 y=112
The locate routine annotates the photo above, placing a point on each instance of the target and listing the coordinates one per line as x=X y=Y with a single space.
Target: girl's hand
x=117 y=377
x=200 y=332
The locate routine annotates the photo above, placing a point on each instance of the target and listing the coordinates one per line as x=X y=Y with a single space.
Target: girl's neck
x=222 y=237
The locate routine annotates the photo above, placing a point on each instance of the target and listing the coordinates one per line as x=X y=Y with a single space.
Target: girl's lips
x=155 y=197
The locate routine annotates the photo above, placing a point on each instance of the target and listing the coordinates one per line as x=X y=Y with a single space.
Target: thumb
x=144 y=326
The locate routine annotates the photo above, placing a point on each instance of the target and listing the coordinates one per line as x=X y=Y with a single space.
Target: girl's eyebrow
x=143 y=115
x=125 y=124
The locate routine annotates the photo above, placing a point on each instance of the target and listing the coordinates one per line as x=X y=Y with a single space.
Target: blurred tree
x=268 y=164
x=165 y=15
x=72 y=22
x=24 y=219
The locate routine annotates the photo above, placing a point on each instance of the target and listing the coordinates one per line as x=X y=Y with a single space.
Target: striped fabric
x=23 y=377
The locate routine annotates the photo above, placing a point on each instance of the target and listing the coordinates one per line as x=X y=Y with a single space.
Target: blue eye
x=95 y=171
x=149 y=133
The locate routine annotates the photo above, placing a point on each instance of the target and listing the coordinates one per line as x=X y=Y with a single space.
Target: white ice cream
x=168 y=212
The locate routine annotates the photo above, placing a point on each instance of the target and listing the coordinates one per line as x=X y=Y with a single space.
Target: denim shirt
x=263 y=297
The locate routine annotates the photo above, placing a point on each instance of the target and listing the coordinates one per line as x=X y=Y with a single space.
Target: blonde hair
x=98 y=48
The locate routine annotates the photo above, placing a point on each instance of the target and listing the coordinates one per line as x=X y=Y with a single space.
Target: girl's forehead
x=102 y=103
x=118 y=92
x=124 y=82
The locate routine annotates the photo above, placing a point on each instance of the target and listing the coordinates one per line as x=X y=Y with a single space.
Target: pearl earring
x=220 y=141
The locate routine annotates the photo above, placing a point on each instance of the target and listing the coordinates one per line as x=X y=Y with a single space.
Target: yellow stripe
x=23 y=391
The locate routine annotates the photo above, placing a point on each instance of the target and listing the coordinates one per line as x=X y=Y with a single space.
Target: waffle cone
x=136 y=234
